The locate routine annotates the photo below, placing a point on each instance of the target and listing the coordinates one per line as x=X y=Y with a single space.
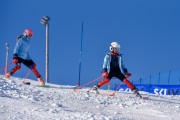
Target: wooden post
x=45 y=21
x=7 y=54
x=47 y=53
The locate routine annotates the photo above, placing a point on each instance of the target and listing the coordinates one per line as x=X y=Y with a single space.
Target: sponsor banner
x=155 y=89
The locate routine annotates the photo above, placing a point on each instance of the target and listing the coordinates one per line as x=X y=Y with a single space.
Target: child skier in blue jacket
x=21 y=55
x=113 y=67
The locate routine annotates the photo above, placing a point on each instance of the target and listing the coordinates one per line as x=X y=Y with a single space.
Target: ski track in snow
x=59 y=102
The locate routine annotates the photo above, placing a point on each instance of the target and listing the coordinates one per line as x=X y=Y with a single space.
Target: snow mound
x=60 y=102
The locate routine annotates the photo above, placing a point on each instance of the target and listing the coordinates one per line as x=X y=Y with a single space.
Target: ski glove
x=105 y=75
x=15 y=58
x=125 y=70
x=128 y=75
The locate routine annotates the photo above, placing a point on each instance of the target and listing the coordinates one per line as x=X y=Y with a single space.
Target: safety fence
x=167 y=78
x=154 y=89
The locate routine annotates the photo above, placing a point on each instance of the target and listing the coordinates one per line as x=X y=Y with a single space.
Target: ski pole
x=27 y=74
x=113 y=94
x=80 y=87
x=5 y=67
x=116 y=89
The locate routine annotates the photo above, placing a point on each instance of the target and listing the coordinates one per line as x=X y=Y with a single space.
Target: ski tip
x=145 y=98
x=76 y=90
x=26 y=83
x=112 y=94
x=108 y=94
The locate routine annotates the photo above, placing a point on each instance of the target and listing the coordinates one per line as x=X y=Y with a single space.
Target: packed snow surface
x=59 y=102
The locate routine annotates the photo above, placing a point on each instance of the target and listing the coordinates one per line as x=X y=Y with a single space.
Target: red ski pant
x=28 y=63
x=118 y=75
x=107 y=80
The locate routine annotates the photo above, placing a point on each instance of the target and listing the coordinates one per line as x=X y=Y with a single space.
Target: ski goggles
x=28 y=35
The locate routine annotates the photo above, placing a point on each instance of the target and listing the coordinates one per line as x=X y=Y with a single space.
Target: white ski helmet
x=114 y=45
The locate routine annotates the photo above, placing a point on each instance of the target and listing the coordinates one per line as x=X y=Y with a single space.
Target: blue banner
x=155 y=89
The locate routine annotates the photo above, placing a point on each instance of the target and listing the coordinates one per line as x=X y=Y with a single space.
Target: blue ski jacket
x=22 y=48
x=107 y=60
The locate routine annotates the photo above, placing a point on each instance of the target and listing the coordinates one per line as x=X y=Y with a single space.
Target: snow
x=60 y=102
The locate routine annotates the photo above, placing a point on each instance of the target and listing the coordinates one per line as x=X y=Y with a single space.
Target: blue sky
x=147 y=30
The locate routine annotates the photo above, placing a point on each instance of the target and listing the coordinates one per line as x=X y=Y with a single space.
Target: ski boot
x=94 y=89
x=7 y=75
x=136 y=92
x=42 y=84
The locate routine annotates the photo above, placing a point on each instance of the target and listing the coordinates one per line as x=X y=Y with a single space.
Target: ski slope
x=59 y=102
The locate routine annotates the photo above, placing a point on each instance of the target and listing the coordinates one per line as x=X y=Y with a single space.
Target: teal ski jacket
x=107 y=60
x=22 y=48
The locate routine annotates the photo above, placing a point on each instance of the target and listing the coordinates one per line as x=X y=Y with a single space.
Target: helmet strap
x=111 y=48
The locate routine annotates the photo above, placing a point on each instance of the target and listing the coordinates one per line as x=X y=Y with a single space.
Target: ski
x=102 y=94
x=93 y=91
x=26 y=83
x=145 y=98
x=142 y=97
x=109 y=94
x=76 y=90
x=96 y=92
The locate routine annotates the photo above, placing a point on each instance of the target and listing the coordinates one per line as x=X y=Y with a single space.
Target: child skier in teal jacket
x=21 y=55
x=113 y=67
